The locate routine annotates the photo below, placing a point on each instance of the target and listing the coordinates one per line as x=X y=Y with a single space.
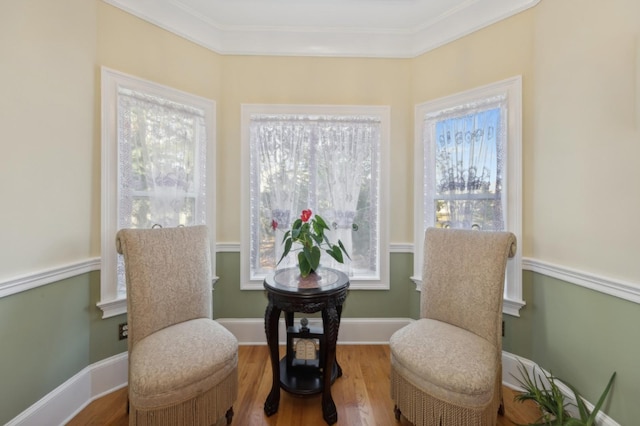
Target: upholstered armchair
x=182 y=364
x=446 y=367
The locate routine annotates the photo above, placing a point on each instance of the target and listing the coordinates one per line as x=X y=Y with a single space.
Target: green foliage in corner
x=551 y=400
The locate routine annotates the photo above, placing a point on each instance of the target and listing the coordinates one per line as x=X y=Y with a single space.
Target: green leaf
x=335 y=253
x=344 y=249
x=303 y=264
x=551 y=400
x=318 y=238
x=598 y=405
x=315 y=258
x=287 y=248
x=320 y=222
x=296 y=229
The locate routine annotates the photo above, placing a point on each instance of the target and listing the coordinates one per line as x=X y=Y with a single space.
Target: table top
x=324 y=280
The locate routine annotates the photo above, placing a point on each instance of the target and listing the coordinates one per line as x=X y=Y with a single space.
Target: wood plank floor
x=361 y=395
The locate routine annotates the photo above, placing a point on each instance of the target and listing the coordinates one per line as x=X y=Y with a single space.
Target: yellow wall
x=133 y=46
x=584 y=198
x=339 y=81
x=47 y=93
x=492 y=54
x=578 y=61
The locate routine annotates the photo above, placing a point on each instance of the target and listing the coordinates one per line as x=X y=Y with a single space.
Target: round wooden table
x=323 y=291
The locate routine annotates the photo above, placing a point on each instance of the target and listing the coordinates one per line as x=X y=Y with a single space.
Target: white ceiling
x=361 y=28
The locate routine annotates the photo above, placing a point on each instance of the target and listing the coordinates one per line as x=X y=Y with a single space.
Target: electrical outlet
x=123 y=331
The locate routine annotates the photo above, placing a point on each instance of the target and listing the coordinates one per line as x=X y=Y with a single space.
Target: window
x=157 y=161
x=468 y=169
x=329 y=159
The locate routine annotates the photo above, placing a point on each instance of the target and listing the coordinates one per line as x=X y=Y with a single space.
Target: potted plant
x=551 y=400
x=308 y=231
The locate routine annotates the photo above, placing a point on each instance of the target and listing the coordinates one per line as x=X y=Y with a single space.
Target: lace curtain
x=162 y=163
x=282 y=152
x=301 y=162
x=466 y=181
x=345 y=156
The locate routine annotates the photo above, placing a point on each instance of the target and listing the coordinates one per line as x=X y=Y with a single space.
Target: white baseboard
x=64 y=402
x=106 y=376
x=353 y=331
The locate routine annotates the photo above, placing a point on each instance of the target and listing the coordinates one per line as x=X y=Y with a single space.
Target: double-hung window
x=158 y=159
x=469 y=169
x=329 y=159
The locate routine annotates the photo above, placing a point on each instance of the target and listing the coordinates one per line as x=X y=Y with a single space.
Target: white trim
x=512 y=307
x=63 y=403
x=176 y=17
x=511 y=90
x=111 y=82
x=393 y=248
x=47 y=276
x=401 y=248
x=228 y=248
x=383 y=113
x=111 y=308
x=623 y=289
x=353 y=331
x=510 y=371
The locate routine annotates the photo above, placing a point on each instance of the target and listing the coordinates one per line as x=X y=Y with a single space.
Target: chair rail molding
x=622 y=289
x=48 y=276
x=618 y=288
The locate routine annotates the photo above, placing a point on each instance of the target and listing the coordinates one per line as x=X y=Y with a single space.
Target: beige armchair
x=446 y=367
x=182 y=364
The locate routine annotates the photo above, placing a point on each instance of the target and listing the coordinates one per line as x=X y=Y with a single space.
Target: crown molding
x=178 y=18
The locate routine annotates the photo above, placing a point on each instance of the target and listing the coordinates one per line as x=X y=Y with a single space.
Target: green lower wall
x=582 y=336
x=50 y=333
x=103 y=341
x=43 y=341
x=231 y=302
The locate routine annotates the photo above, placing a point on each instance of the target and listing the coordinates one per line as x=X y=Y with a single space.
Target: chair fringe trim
x=422 y=409
x=203 y=410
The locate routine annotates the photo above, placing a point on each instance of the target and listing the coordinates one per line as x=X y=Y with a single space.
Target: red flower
x=306 y=215
x=274 y=224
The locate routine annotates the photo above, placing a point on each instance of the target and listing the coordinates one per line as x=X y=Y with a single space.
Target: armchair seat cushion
x=447 y=362
x=177 y=363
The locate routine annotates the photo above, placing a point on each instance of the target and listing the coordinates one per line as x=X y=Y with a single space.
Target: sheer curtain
x=282 y=147
x=304 y=161
x=345 y=151
x=468 y=171
x=162 y=162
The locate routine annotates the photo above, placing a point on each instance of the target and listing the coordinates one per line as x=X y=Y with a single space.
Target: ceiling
x=359 y=28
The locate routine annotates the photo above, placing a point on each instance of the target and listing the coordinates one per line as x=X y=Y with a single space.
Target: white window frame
x=110 y=302
x=381 y=282
x=511 y=90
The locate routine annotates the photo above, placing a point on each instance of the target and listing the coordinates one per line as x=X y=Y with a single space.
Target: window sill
x=112 y=308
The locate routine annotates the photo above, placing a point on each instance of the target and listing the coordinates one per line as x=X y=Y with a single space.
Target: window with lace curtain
x=329 y=159
x=157 y=162
x=468 y=169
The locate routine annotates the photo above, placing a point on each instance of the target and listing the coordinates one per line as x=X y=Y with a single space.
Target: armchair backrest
x=463 y=279
x=168 y=274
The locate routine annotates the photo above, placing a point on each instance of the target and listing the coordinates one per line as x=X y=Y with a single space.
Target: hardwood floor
x=361 y=395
